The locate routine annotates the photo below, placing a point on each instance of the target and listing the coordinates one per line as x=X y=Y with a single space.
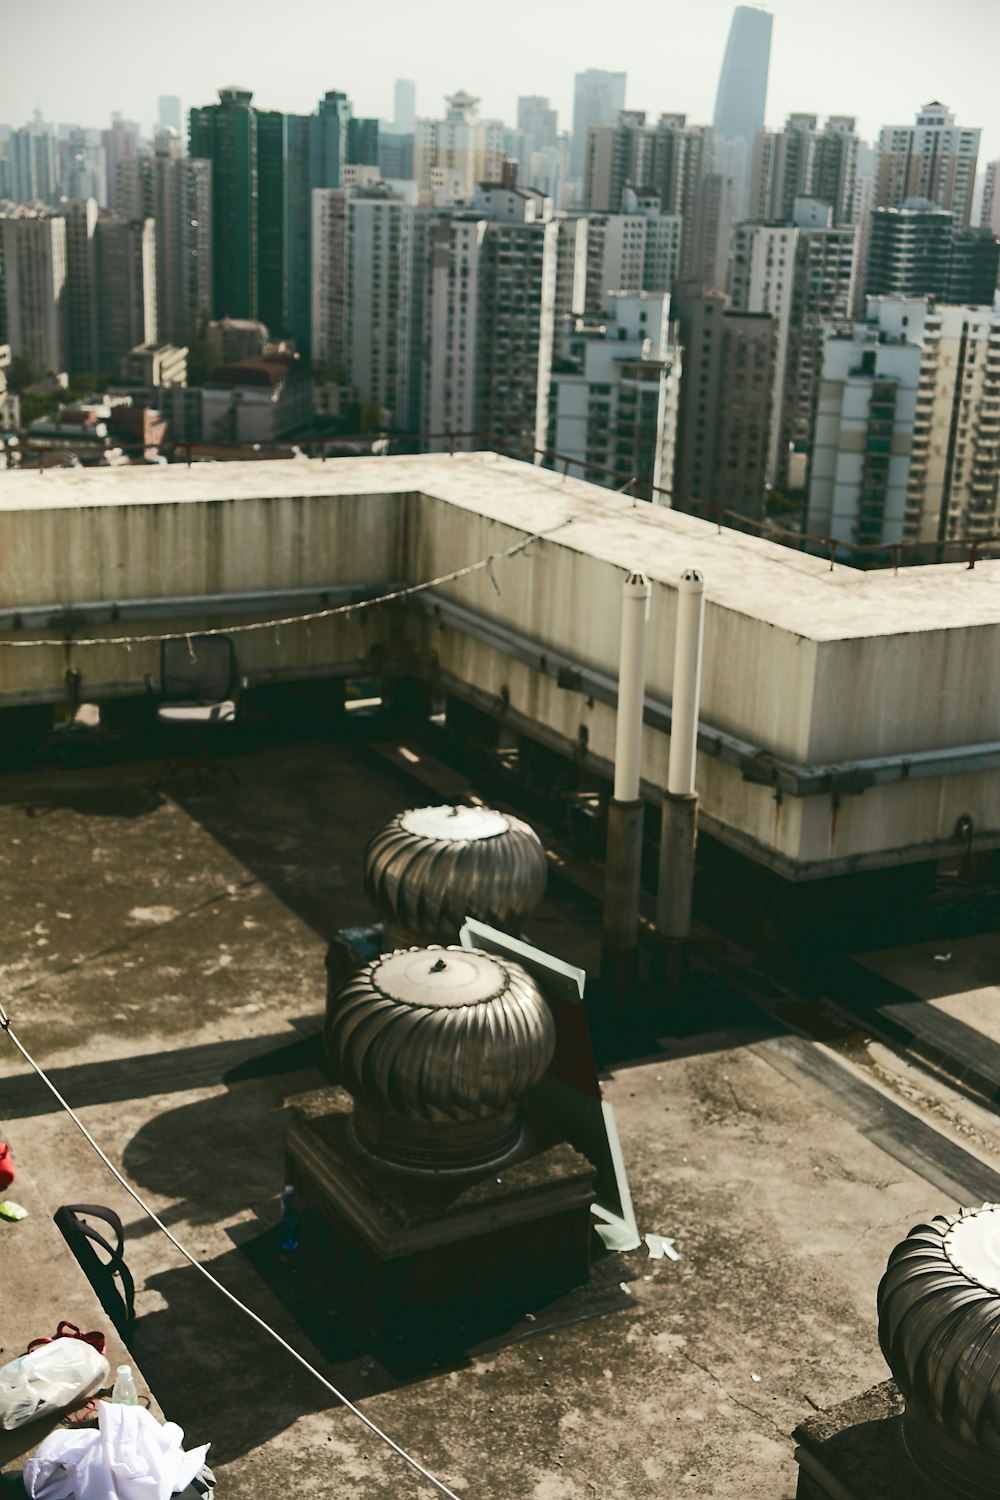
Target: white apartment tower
x=362 y=296
x=933 y=159
x=805 y=161
x=462 y=146
x=802 y=273
x=614 y=397
x=176 y=191
x=908 y=426
x=638 y=250
x=489 y=305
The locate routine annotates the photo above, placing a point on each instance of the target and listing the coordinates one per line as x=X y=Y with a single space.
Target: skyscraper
x=933 y=159
x=404 y=105
x=168 y=112
x=34 y=163
x=317 y=149
x=739 y=103
x=598 y=99
x=246 y=149
x=989 y=216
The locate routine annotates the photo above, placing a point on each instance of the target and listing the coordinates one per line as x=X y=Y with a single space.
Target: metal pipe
x=636 y=594
x=623 y=861
x=686 y=697
x=679 y=825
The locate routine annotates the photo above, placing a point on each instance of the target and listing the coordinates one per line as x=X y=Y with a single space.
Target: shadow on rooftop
x=114 y=1080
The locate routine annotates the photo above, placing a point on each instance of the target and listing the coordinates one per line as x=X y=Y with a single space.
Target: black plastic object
x=111 y=1278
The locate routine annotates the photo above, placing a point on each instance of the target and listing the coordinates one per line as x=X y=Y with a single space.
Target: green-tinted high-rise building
x=317 y=148
x=246 y=149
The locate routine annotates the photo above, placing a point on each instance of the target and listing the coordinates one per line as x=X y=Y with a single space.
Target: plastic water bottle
x=124 y=1391
x=289 y=1221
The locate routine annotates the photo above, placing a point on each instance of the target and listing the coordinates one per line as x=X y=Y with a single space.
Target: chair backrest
x=110 y=1278
x=196 y=668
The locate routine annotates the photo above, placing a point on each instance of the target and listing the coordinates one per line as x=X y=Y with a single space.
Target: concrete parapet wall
x=812 y=667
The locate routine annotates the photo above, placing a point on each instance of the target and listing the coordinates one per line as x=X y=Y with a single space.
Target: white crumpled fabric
x=49 y=1378
x=131 y=1456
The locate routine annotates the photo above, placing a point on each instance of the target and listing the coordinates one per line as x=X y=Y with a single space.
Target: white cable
x=319 y=614
x=356 y=1411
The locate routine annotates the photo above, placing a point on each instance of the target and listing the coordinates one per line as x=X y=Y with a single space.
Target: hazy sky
x=876 y=59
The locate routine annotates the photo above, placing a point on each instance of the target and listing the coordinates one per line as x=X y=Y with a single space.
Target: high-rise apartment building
x=953 y=485
x=802 y=274
x=404 y=106
x=319 y=149
x=246 y=149
x=125 y=264
x=917 y=250
x=933 y=159
x=33 y=263
x=121 y=141
x=614 y=396
x=572 y=231
x=804 y=161
x=726 y=398
x=673 y=160
x=489 y=300
x=989 y=216
x=176 y=191
x=633 y=251
x=362 y=299
x=908 y=425
x=598 y=99
x=466 y=148
x=34 y=163
x=865 y=425
x=84 y=168
x=80 y=303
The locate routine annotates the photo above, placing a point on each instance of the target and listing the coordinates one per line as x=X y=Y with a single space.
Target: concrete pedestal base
x=411 y=1253
x=855 y=1451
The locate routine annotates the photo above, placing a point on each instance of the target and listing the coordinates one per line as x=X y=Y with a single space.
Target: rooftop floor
x=163 y=955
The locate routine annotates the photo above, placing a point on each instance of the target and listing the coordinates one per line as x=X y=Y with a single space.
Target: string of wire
x=356 y=1411
x=303 y=619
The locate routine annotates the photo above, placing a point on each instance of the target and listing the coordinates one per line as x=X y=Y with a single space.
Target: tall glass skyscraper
x=739 y=104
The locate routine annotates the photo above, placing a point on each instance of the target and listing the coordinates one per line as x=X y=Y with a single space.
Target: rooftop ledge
x=748 y=575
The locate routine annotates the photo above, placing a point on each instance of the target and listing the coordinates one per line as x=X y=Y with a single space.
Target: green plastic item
x=11 y=1210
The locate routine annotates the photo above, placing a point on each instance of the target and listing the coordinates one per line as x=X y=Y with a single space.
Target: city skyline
x=872 y=66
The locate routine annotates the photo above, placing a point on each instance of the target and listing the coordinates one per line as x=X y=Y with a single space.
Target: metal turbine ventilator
x=428 y=869
x=437 y=1047
x=939 y=1328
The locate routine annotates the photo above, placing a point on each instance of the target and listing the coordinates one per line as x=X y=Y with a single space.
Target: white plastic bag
x=130 y=1456
x=49 y=1378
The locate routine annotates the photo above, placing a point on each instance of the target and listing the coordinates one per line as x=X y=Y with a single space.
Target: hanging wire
x=356 y=1411
x=317 y=614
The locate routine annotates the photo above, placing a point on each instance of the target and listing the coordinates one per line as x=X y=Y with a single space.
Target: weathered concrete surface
x=960 y=977
x=165 y=961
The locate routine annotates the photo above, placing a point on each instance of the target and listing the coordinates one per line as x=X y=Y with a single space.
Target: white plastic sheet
x=131 y=1456
x=49 y=1378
